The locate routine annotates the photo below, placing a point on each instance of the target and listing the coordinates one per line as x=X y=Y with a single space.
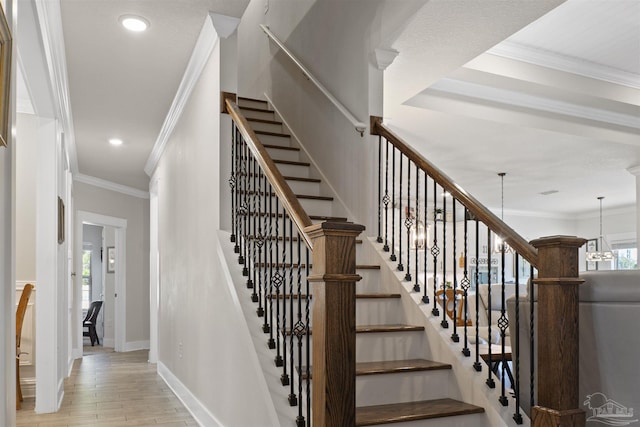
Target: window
x=626 y=259
x=86 y=278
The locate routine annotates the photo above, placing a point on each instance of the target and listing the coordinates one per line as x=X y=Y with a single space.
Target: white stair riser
x=378 y=311
x=304 y=187
x=317 y=207
x=265 y=115
x=381 y=389
x=282 y=141
x=267 y=127
x=370 y=282
x=284 y=154
x=371 y=347
x=293 y=170
x=252 y=104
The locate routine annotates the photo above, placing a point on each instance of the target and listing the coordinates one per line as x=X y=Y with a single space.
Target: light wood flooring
x=112 y=390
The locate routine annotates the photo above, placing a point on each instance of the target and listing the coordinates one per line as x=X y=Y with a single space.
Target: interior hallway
x=112 y=389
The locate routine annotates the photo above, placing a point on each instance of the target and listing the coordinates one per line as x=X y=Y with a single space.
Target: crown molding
x=111 y=186
x=533 y=102
x=548 y=59
x=634 y=170
x=216 y=26
x=50 y=20
x=383 y=57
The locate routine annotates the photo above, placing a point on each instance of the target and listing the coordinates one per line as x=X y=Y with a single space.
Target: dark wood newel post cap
x=564 y=241
x=334 y=228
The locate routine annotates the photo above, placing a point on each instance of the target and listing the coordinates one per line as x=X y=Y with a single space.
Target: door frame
x=120 y=315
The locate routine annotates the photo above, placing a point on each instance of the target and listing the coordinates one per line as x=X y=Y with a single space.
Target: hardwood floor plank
x=114 y=390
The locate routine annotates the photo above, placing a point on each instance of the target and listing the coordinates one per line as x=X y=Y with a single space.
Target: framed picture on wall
x=111 y=259
x=592 y=246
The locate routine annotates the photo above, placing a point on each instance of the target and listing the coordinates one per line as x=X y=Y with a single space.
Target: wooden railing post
x=334 y=317
x=558 y=403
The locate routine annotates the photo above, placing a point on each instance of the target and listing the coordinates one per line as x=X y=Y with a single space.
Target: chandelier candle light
x=601 y=255
x=499 y=245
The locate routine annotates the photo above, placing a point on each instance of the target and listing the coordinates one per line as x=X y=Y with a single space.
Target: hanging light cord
x=501 y=175
x=601 y=246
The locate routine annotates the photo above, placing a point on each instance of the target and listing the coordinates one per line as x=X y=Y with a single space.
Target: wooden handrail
x=289 y=200
x=357 y=124
x=495 y=224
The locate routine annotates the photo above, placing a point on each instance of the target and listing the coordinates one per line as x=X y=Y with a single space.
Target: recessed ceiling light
x=134 y=23
x=115 y=141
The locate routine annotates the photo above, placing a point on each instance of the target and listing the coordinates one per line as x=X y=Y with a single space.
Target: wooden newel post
x=558 y=403
x=334 y=323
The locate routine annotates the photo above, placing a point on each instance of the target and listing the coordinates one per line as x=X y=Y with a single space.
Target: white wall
x=195 y=343
x=108 y=308
x=136 y=211
x=335 y=41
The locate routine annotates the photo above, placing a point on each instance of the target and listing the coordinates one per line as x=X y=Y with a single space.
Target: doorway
x=101 y=262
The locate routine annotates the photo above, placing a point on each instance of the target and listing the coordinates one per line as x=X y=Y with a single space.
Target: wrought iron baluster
x=477 y=365
x=284 y=378
x=517 y=417
x=276 y=280
x=268 y=198
x=444 y=323
x=503 y=324
x=425 y=296
x=245 y=209
x=466 y=284
x=408 y=222
x=393 y=257
x=379 y=239
x=251 y=231
x=400 y=266
x=386 y=199
x=232 y=185
x=490 y=382
x=293 y=398
x=300 y=329
x=454 y=335
x=266 y=326
x=259 y=240
x=435 y=251
x=416 y=286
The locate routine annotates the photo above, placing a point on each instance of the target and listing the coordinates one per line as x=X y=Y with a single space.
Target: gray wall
x=136 y=211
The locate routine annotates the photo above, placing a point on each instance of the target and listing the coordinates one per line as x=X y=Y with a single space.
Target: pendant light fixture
x=499 y=245
x=600 y=255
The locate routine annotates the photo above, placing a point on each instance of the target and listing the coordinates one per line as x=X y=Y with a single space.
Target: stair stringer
x=269 y=381
x=470 y=383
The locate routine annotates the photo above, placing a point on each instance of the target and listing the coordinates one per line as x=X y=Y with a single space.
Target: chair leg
x=19 y=397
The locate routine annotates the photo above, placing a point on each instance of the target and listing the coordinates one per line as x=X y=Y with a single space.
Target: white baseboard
x=198 y=411
x=136 y=345
x=60 y=393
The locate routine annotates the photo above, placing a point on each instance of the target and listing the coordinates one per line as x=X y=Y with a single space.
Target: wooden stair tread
x=271 y=122
x=388 y=328
x=291 y=162
x=245 y=98
x=303 y=265
x=263 y=110
x=312 y=217
x=300 y=178
x=412 y=411
x=295 y=239
x=358 y=296
x=266 y=132
x=391 y=367
x=364 y=329
x=299 y=196
x=280 y=147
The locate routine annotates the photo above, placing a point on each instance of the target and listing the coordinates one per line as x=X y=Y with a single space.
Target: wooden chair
x=449 y=309
x=22 y=309
x=90 y=322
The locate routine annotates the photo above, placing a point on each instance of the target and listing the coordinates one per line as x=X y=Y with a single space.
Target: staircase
x=394 y=383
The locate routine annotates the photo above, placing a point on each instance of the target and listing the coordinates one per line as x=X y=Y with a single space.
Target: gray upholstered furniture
x=609 y=340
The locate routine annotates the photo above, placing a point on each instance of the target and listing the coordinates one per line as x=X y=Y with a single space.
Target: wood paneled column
x=334 y=316
x=558 y=403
